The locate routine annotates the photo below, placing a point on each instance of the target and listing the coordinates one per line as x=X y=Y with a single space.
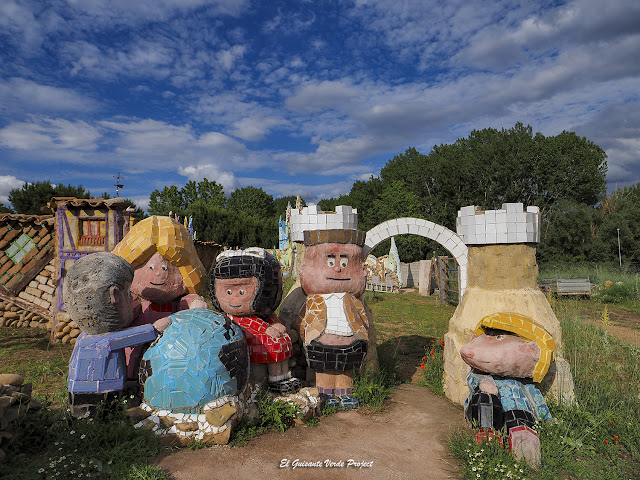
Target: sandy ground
x=407 y=441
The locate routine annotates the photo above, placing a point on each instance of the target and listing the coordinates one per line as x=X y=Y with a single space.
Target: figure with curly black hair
x=247 y=286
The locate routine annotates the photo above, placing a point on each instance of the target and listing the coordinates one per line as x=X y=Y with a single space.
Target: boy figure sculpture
x=97 y=297
x=333 y=323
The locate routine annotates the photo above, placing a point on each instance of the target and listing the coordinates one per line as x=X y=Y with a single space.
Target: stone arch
x=418 y=226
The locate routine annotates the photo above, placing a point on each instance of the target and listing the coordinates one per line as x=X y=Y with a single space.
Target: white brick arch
x=418 y=226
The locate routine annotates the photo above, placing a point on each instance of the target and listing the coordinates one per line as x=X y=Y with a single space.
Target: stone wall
x=15 y=401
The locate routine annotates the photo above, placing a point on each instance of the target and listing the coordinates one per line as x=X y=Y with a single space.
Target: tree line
x=564 y=175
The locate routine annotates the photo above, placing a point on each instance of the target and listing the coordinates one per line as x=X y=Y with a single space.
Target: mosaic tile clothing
x=346 y=317
x=97 y=363
x=263 y=348
x=514 y=396
x=146 y=312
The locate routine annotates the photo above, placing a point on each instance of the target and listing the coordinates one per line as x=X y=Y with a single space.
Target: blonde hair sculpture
x=527 y=328
x=170 y=239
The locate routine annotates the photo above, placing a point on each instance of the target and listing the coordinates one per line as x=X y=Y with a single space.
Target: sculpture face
x=158 y=280
x=333 y=268
x=236 y=295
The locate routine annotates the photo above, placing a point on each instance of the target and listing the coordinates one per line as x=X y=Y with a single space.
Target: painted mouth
x=339 y=279
x=235 y=306
x=156 y=284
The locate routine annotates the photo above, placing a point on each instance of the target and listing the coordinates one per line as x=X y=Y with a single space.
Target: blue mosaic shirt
x=514 y=395
x=98 y=363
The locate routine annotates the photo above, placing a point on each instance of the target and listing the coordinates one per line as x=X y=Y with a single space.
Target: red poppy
x=606 y=441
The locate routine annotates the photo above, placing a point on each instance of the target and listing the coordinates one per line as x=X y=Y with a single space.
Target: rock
x=15 y=411
x=166 y=422
x=219 y=416
x=11 y=315
x=75 y=332
x=218 y=438
x=66 y=338
x=34 y=405
x=27 y=388
x=6 y=401
x=11 y=379
x=187 y=426
x=2 y=321
x=135 y=415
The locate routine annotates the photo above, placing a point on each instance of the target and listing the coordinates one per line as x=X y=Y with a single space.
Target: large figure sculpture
x=97 y=297
x=333 y=322
x=509 y=353
x=247 y=286
x=168 y=274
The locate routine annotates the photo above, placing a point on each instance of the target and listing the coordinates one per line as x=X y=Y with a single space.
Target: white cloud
x=321 y=96
x=20 y=96
x=227 y=58
x=8 y=183
x=255 y=128
x=43 y=133
x=211 y=172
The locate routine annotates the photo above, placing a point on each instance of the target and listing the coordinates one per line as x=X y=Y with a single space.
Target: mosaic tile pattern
x=313 y=319
x=525 y=327
x=312 y=218
x=510 y=224
x=484 y=410
x=263 y=348
x=97 y=364
x=322 y=357
x=170 y=239
x=201 y=357
x=251 y=262
x=351 y=236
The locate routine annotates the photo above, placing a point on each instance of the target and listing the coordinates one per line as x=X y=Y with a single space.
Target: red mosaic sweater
x=263 y=348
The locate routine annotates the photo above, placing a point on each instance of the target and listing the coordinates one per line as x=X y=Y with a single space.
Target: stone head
x=96 y=292
x=333 y=262
x=246 y=282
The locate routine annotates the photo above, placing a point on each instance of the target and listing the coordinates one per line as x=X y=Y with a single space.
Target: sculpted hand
x=276 y=330
x=162 y=324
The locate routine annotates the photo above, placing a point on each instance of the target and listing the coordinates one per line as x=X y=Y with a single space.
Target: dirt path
x=407 y=441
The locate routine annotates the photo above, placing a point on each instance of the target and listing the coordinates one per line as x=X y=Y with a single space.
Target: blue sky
x=300 y=97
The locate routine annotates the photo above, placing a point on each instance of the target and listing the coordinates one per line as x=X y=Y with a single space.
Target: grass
x=52 y=444
x=272 y=415
x=598 y=439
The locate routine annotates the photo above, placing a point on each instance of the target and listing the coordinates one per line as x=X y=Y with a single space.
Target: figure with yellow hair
x=508 y=354
x=167 y=275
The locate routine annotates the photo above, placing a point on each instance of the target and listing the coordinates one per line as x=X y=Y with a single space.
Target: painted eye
x=331 y=262
x=344 y=262
x=229 y=292
x=499 y=337
x=152 y=267
x=164 y=267
x=241 y=292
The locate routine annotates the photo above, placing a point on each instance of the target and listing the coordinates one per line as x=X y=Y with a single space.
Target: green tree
x=33 y=196
x=172 y=199
x=168 y=200
x=280 y=204
x=251 y=201
x=4 y=209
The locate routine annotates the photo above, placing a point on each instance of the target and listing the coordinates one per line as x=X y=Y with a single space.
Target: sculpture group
x=196 y=369
x=148 y=332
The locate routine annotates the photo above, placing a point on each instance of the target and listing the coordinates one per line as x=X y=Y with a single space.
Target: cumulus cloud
x=211 y=172
x=255 y=128
x=8 y=183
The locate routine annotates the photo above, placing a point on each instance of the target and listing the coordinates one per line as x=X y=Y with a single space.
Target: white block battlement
x=312 y=218
x=510 y=224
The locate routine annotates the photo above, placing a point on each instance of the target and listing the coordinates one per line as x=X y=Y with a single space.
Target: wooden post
x=442 y=279
x=424 y=278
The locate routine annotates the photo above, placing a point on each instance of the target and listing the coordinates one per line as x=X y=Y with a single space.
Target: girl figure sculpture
x=247 y=286
x=167 y=277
